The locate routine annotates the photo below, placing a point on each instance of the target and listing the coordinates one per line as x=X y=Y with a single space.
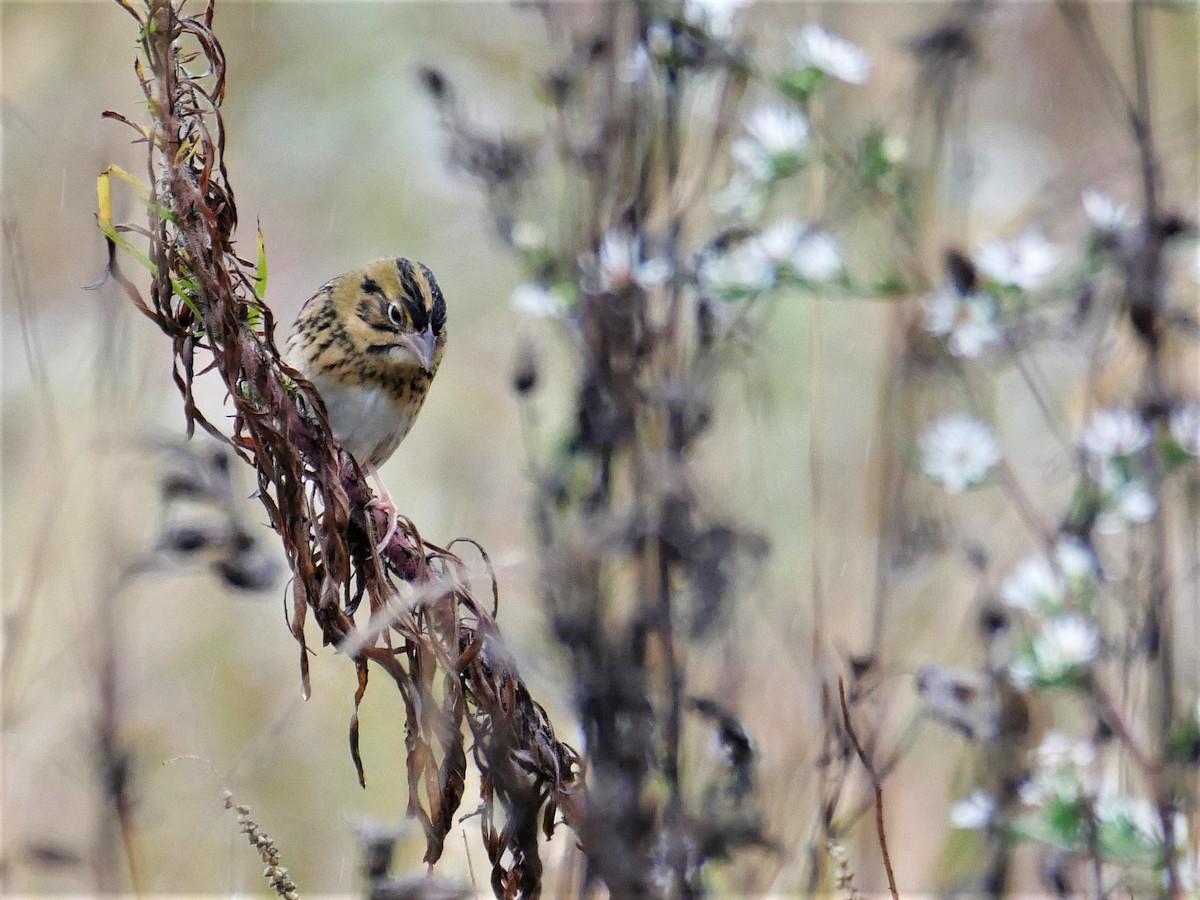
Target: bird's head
x=394 y=311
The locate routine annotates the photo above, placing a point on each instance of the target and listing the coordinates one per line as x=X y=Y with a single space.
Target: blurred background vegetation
x=335 y=150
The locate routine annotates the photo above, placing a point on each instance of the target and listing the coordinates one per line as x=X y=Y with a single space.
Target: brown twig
x=876 y=784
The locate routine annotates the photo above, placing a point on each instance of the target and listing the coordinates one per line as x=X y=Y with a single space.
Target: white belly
x=365 y=420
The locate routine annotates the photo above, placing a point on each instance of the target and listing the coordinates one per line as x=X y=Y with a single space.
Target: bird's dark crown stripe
x=414 y=298
x=438 y=305
x=408 y=281
x=371 y=286
x=416 y=312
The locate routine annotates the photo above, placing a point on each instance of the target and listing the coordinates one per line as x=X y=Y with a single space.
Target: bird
x=370 y=342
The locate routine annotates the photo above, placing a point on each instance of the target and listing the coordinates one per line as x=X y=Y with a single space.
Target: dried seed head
x=525 y=371
x=435 y=83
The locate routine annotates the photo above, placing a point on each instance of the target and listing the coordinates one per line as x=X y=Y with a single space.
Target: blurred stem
x=114 y=760
x=673 y=360
x=1146 y=296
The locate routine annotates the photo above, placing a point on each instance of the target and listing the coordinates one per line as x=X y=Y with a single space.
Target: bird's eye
x=394 y=314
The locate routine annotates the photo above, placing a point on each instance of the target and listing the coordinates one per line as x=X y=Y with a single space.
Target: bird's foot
x=383 y=502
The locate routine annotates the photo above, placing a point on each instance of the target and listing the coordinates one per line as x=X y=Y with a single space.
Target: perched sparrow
x=370 y=342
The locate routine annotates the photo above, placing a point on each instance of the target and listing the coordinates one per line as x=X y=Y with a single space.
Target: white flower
x=1064 y=644
x=1036 y=584
x=713 y=16
x=1075 y=560
x=941 y=312
x=778 y=138
x=1103 y=211
x=1057 y=751
x=816 y=48
x=1021 y=674
x=743 y=196
x=779 y=239
x=1139 y=815
x=658 y=41
x=1125 y=502
x=1023 y=263
x=1060 y=771
x=968 y=323
x=617 y=265
x=812 y=255
x=636 y=66
x=816 y=257
x=744 y=269
x=617 y=261
x=1033 y=585
x=755 y=162
x=974 y=812
x=894 y=148
x=959 y=452
x=1185 y=427
x=778 y=130
x=1111 y=433
x=1032 y=792
x=528 y=237
x=654 y=272
x=535 y=301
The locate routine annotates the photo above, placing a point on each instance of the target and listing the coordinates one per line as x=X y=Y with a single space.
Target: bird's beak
x=422 y=346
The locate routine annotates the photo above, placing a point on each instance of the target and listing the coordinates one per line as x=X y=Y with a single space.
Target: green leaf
x=1173 y=454
x=801 y=84
x=874 y=164
x=260 y=269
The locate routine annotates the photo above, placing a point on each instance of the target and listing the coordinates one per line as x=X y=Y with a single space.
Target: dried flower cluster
x=275 y=874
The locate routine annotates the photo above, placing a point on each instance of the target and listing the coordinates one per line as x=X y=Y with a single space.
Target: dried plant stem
x=876 y=784
x=113 y=758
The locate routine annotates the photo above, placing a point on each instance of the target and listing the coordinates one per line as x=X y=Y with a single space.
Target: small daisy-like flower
x=535 y=301
x=1075 y=560
x=654 y=272
x=776 y=143
x=816 y=48
x=1033 y=585
x=528 y=237
x=816 y=257
x=1103 y=211
x=616 y=262
x=712 y=16
x=959 y=452
x=894 y=148
x=1110 y=433
x=1064 y=645
x=743 y=197
x=1138 y=815
x=1032 y=792
x=618 y=266
x=967 y=322
x=974 y=812
x=737 y=272
x=1185 y=427
x=777 y=242
x=1023 y=263
x=1039 y=585
x=1125 y=502
x=1058 y=751
x=636 y=66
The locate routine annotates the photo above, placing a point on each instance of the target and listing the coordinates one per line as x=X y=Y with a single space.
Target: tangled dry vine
x=423 y=628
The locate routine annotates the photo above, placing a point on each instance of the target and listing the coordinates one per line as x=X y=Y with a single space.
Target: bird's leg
x=383 y=501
